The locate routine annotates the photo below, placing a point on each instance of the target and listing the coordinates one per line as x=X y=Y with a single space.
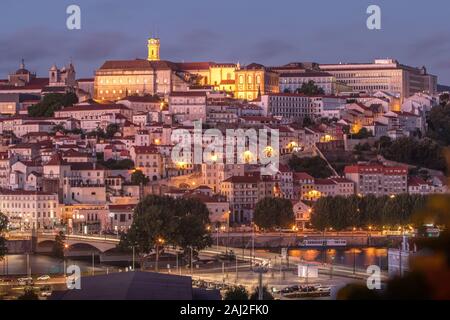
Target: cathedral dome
x=22 y=71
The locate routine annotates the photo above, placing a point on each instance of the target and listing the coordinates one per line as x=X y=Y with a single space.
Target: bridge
x=77 y=244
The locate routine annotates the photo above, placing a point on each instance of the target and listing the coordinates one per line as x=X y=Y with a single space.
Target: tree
x=124 y=164
x=439 y=123
x=307 y=122
x=178 y=222
x=315 y=166
x=424 y=152
x=266 y=294
x=52 y=102
x=310 y=89
x=190 y=231
x=98 y=133
x=59 y=245
x=3 y=227
x=342 y=213
x=138 y=178
x=363 y=133
x=236 y=293
x=444 y=99
x=321 y=213
x=274 y=212
x=29 y=294
x=111 y=130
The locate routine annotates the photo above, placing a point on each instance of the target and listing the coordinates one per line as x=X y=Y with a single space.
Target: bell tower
x=153 y=49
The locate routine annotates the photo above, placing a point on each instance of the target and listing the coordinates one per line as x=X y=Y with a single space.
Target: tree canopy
x=342 y=213
x=420 y=152
x=266 y=294
x=363 y=133
x=138 y=177
x=236 y=293
x=111 y=130
x=178 y=222
x=310 y=89
x=274 y=212
x=124 y=164
x=315 y=166
x=3 y=227
x=439 y=124
x=59 y=245
x=52 y=102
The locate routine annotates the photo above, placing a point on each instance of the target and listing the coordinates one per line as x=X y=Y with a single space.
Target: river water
x=16 y=264
x=361 y=257
x=41 y=264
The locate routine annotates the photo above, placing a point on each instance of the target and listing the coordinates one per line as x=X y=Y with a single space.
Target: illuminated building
x=29 y=209
x=293 y=81
x=223 y=76
x=254 y=80
x=117 y=79
x=378 y=179
x=153 y=49
x=383 y=75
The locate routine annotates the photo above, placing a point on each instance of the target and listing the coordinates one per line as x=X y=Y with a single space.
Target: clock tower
x=153 y=49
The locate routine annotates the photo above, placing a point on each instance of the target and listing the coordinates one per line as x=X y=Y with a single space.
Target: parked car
x=43 y=278
x=25 y=281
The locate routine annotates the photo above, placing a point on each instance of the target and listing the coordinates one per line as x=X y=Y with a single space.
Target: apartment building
x=29 y=209
x=378 y=179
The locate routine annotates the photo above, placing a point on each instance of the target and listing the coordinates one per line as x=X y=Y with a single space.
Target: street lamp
x=354 y=252
x=159 y=241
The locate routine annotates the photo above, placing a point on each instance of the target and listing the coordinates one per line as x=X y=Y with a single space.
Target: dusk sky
x=266 y=31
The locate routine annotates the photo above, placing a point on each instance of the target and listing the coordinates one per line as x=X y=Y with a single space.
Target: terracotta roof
x=137 y=64
x=145 y=150
x=24 y=192
x=56 y=160
x=34 y=84
x=194 y=65
x=302 y=176
x=142 y=99
x=324 y=182
x=95 y=107
x=416 y=181
x=376 y=169
x=242 y=179
x=121 y=207
x=188 y=94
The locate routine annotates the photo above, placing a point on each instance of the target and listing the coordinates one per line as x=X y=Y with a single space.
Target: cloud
x=194 y=44
x=434 y=45
x=44 y=47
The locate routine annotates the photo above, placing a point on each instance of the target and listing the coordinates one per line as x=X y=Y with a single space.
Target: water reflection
x=362 y=257
x=41 y=264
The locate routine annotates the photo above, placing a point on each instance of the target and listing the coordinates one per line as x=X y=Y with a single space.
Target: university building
x=383 y=75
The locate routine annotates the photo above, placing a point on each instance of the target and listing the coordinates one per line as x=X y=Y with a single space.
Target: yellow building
x=255 y=80
x=153 y=49
x=223 y=76
x=117 y=79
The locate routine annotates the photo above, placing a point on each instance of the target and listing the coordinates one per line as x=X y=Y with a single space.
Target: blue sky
x=265 y=31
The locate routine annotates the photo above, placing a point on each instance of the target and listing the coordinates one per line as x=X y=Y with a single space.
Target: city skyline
x=110 y=34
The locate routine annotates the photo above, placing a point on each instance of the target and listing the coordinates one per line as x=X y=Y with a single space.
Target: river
x=42 y=264
x=16 y=264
